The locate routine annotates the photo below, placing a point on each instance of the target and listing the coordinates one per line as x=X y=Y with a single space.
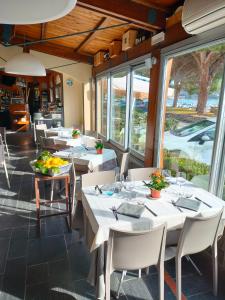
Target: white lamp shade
x=25 y=64
x=33 y=11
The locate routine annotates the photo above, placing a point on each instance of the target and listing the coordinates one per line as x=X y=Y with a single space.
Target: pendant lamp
x=25 y=64
x=33 y=11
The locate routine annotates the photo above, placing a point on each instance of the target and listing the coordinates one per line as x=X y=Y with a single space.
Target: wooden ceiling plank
x=103 y=22
x=56 y=50
x=150 y=18
x=43 y=30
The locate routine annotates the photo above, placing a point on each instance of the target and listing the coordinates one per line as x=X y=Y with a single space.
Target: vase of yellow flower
x=156 y=184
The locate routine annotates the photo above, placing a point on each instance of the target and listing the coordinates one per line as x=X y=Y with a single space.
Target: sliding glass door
x=192 y=99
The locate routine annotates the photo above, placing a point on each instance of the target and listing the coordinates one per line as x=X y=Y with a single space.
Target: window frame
x=129 y=66
x=209 y=38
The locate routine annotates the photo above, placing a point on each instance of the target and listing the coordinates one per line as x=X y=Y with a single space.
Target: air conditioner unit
x=201 y=15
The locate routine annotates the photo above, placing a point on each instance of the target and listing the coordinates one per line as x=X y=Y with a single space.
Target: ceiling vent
x=201 y=15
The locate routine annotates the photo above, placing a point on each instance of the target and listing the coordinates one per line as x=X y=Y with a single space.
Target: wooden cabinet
x=19 y=116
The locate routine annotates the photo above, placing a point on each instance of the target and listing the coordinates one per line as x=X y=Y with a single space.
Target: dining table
x=99 y=216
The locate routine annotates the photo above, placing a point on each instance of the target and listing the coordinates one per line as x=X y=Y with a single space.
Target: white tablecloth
x=101 y=218
x=89 y=157
x=98 y=218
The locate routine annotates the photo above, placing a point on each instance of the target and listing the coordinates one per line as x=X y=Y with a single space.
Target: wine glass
x=166 y=173
x=181 y=180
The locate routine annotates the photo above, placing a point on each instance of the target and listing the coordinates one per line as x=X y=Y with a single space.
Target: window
x=102 y=105
x=139 y=108
x=192 y=102
x=118 y=107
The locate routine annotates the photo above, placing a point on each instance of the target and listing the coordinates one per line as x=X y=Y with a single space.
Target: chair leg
x=215 y=269
x=161 y=280
x=107 y=285
x=6 y=174
x=120 y=284
x=193 y=264
x=178 y=277
x=7 y=149
x=52 y=191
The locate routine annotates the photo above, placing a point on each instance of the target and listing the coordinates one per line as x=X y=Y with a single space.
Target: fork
x=175 y=205
x=115 y=212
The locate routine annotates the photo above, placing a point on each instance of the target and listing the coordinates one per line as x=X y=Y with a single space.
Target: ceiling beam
x=103 y=22
x=43 y=30
x=56 y=50
x=148 y=18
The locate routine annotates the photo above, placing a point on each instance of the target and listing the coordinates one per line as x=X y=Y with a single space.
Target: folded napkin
x=131 y=210
x=191 y=204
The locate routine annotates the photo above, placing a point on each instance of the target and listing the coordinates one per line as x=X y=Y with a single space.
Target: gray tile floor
x=55 y=265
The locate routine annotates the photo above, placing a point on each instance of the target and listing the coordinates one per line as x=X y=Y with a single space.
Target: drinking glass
x=166 y=173
x=181 y=180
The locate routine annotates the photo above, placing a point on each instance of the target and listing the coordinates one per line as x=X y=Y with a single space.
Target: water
x=189 y=103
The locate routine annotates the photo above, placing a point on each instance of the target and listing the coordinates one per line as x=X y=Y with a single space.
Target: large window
x=118 y=107
x=122 y=106
x=139 y=108
x=192 y=101
x=102 y=105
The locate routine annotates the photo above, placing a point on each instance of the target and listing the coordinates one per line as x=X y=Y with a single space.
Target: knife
x=203 y=202
x=154 y=214
x=98 y=188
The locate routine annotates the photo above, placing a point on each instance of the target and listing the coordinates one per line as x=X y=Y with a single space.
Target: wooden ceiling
x=89 y=15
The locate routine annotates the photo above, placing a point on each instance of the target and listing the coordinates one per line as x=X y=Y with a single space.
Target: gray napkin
x=191 y=204
x=131 y=210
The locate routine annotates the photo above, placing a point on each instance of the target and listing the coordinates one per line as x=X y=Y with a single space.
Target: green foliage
x=190 y=166
x=171 y=124
x=157 y=182
x=44 y=155
x=99 y=145
x=76 y=132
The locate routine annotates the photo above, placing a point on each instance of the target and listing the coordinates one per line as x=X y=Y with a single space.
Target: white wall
x=74 y=96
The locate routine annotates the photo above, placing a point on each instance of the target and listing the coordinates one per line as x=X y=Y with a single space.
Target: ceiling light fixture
x=25 y=64
x=33 y=11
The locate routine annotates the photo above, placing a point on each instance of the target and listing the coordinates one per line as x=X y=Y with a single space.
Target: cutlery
x=115 y=212
x=145 y=183
x=98 y=188
x=203 y=202
x=178 y=207
x=154 y=214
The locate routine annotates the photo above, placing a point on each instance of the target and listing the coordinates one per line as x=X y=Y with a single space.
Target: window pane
x=192 y=101
x=102 y=98
x=118 y=107
x=139 y=108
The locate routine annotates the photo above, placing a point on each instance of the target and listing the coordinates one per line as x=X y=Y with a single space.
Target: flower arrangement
x=76 y=133
x=157 y=183
x=99 y=146
x=47 y=164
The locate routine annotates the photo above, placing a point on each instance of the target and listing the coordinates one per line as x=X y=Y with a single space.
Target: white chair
x=3 y=163
x=39 y=134
x=135 y=250
x=3 y=134
x=197 y=235
x=98 y=178
x=140 y=173
x=124 y=163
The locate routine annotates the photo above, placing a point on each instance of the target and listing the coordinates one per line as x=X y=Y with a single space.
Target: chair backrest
x=198 y=234
x=89 y=141
x=45 y=142
x=39 y=134
x=98 y=178
x=60 y=142
x=49 y=134
x=140 y=173
x=3 y=133
x=41 y=126
x=124 y=163
x=2 y=154
x=137 y=249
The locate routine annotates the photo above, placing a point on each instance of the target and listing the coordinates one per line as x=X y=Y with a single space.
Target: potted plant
x=76 y=133
x=99 y=146
x=156 y=184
